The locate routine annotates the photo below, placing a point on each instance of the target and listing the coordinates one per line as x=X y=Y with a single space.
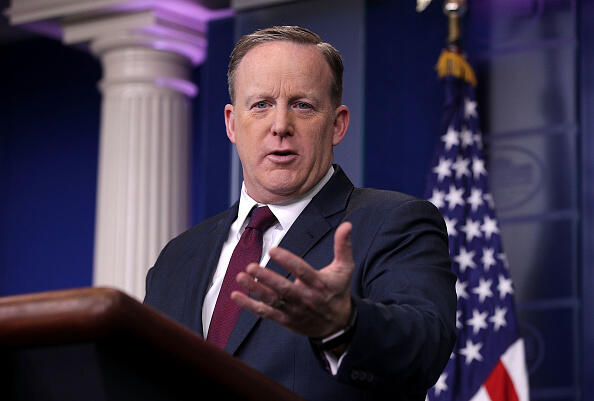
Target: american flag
x=488 y=359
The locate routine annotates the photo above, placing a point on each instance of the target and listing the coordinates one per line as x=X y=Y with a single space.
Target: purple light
x=180 y=85
x=46 y=28
x=190 y=10
x=191 y=18
x=195 y=52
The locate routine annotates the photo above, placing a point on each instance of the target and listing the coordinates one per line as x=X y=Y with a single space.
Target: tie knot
x=262 y=219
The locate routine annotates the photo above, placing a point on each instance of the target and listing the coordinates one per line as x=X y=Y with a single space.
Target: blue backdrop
x=536 y=92
x=49 y=128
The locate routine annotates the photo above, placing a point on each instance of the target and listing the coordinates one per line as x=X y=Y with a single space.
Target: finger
x=343 y=249
x=295 y=265
x=258 y=308
x=280 y=285
x=256 y=289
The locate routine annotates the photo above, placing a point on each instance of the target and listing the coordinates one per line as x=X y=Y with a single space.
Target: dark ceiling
x=7 y=32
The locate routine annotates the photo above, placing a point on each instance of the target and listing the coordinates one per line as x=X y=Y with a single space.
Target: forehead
x=285 y=61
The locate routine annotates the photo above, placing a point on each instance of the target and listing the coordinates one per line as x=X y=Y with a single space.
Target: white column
x=147 y=49
x=143 y=182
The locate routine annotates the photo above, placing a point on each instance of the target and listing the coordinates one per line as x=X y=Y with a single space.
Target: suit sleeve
x=151 y=295
x=404 y=292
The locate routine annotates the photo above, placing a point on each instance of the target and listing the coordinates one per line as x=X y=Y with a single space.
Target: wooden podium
x=100 y=344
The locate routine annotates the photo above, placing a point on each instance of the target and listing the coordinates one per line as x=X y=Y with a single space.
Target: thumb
x=343 y=249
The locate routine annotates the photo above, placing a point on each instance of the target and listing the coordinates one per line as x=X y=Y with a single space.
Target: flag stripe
x=515 y=362
x=499 y=385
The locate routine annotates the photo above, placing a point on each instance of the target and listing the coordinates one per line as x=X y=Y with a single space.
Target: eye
x=260 y=105
x=303 y=106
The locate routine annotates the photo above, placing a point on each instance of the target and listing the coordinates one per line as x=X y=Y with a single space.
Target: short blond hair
x=293 y=34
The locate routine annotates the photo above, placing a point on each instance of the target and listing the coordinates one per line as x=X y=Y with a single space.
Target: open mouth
x=285 y=156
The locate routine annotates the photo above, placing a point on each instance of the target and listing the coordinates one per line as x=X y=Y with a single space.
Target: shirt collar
x=285 y=213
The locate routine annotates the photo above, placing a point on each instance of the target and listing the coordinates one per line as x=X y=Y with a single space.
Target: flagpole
x=454 y=9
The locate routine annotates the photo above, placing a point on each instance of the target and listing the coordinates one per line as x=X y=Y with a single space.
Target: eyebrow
x=293 y=98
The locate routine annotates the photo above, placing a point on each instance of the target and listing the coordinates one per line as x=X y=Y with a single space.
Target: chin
x=282 y=182
x=281 y=193
x=283 y=190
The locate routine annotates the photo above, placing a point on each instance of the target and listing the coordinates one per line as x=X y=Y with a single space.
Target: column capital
x=177 y=26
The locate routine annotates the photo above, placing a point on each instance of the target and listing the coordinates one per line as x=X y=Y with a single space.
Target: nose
x=282 y=123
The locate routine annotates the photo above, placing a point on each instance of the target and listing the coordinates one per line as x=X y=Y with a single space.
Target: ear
x=341 y=124
x=230 y=122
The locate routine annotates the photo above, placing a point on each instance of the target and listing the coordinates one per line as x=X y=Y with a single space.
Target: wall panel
x=526 y=58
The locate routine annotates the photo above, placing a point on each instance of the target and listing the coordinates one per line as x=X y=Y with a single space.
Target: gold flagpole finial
x=451 y=61
x=454 y=9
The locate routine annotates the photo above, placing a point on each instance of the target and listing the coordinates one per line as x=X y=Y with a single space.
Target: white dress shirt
x=286 y=214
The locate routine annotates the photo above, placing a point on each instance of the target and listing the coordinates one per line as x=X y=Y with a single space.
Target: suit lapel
x=310 y=227
x=202 y=269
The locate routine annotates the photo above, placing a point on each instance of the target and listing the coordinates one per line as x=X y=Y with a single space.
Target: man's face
x=283 y=121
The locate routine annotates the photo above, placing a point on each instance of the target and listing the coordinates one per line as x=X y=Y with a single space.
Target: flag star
x=451 y=138
x=471 y=229
x=469 y=108
x=458 y=322
x=498 y=318
x=441 y=384
x=483 y=290
x=478 y=321
x=451 y=226
x=488 y=258
x=464 y=259
x=489 y=227
x=504 y=286
x=471 y=352
x=461 y=289
x=461 y=167
x=443 y=169
x=437 y=198
x=475 y=199
x=478 y=167
x=466 y=137
x=454 y=197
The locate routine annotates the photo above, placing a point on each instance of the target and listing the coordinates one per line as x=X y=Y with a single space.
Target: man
x=352 y=298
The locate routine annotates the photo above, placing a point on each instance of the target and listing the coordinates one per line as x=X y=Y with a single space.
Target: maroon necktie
x=248 y=250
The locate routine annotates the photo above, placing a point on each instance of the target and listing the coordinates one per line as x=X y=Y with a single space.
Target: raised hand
x=316 y=304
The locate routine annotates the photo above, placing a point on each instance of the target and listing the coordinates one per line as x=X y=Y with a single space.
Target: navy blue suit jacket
x=402 y=286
